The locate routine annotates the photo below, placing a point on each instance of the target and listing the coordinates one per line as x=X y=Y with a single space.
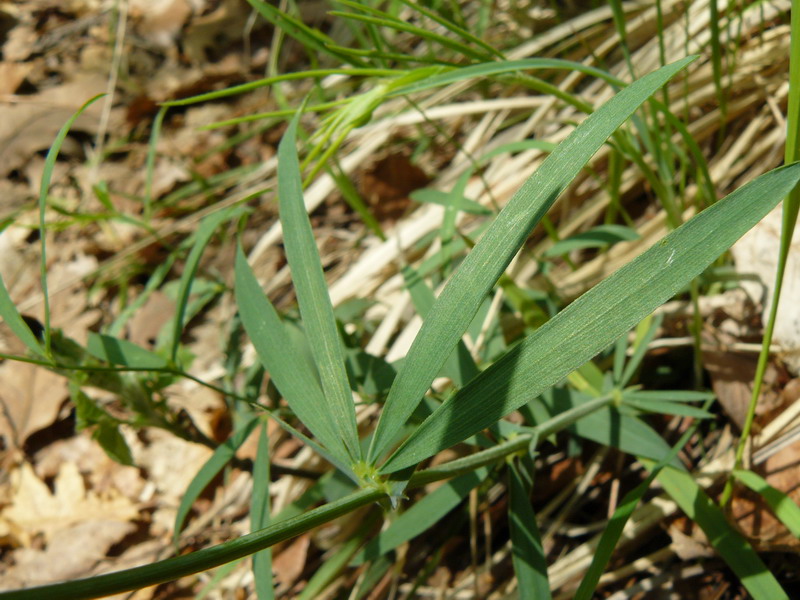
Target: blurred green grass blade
x=626 y=432
x=15 y=322
x=44 y=189
x=431 y=196
x=260 y=517
x=782 y=505
x=667 y=408
x=460 y=367
x=286 y=365
x=150 y=163
x=122 y=352
x=309 y=38
x=202 y=237
x=640 y=344
x=480 y=270
x=791 y=207
x=669 y=395
x=595 y=320
x=597 y=237
x=336 y=561
x=221 y=457
x=729 y=543
x=254 y=85
x=616 y=525
x=312 y=295
x=451 y=26
x=421 y=515
x=489 y=69
x=530 y=565
x=419 y=32
x=216 y=579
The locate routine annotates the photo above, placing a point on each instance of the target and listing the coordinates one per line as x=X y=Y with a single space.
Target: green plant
x=529 y=376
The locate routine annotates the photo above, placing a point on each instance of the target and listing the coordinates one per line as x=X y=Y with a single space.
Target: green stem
x=791 y=206
x=173 y=568
x=179 y=566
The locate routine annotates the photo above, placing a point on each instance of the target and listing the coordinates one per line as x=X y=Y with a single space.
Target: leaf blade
x=482 y=267
x=313 y=299
x=286 y=366
x=596 y=319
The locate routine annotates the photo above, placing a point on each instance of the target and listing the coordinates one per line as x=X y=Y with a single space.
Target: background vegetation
x=470 y=170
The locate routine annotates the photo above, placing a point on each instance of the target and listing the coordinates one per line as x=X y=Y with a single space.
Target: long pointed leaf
x=16 y=323
x=221 y=457
x=729 y=543
x=463 y=294
x=313 y=299
x=596 y=319
x=421 y=515
x=203 y=236
x=530 y=564
x=287 y=367
x=260 y=517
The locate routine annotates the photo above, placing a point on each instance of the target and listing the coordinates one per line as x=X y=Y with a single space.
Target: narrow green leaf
x=597 y=237
x=669 y=395
x=44 y=189
x=201 y=560
x=616 y=525
x=459 y=366
x=337 y=560
x=482 y=267
x=530 y=565
x=432 y=196
x=782 y=505
x=202 y=237
x=667 y=408
x=312 y=295
x=16 y=323
x=489 y=69
x=645 y=332
x=221 y=457
x=423 y=34
x=729 y=543
x=113 y=443
x=260 y=518
x=626 y=432
x=451 y=26
x=421 y=515
x=285 y=364
x=122 y=352
x=596 y=319
x=309 y=38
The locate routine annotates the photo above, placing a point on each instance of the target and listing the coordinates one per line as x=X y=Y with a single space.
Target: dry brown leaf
x=205 y=34
x=757 y=253
x=102 y=473
x=12 y=74
x=754 y=517
x=72 y=552
x=732 y=376
x=289 y=564
x=387 y=184
x=31 y=398
x=19 y=44
x=160 y=21
x=28 y=128
x=692 y=546
x=150 y=318
x=35 y=510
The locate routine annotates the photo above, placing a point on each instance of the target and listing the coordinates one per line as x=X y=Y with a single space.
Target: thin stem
x=791 y=206
x=179 y=566
x=173 y=568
